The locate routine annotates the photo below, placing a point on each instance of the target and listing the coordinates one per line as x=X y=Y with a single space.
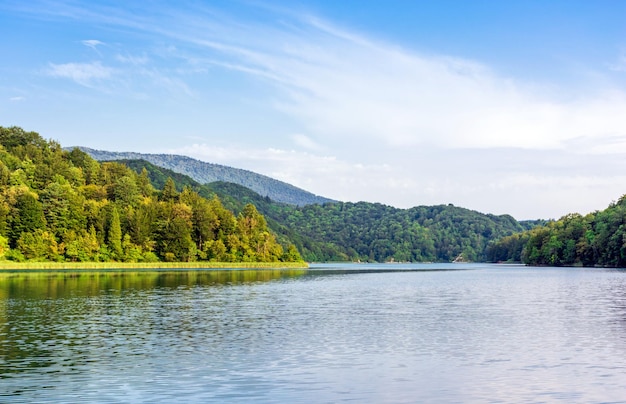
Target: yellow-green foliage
x=64 y=206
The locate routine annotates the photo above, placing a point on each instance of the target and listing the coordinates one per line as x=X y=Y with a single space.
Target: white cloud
x=92 y=43
x=17 y=99
x=382 y=122
x=355 y=88
x=346 y=87
x=407 y=128
x=82 y=73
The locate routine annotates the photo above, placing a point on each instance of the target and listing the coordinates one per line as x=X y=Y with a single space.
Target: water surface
x=335 y=333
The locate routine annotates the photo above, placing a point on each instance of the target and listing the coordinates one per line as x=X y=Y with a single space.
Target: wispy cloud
x=344 y=86
x=17 y=98
x=375 y=120
x=84 y=74
x=93 y=44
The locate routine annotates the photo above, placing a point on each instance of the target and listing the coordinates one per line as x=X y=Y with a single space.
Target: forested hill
x=375 y=232
x=362 y=231
x=59 y=205
x=207 y=172
x=596 y=239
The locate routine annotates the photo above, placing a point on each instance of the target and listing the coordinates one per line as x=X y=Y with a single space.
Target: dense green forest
x=598 y=238
x=375 y=232
x=363 y=231
x=59 y=205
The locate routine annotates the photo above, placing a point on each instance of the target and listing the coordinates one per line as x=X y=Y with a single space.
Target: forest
x=363 y=231
x=63 y=205
x=60 y=205
x=596 y=239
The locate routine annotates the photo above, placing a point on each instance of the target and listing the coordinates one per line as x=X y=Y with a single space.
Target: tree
x=125 y=191
x=83 y=246
x=169 y=193
x=115 y=235
x=292 y=254
x=204 y=219
x=39 y=245
x=174 y=232
x=57 y=204
x=28 y=216
x=143 y=182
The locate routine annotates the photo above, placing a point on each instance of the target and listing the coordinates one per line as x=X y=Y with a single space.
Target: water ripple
x=486 y=335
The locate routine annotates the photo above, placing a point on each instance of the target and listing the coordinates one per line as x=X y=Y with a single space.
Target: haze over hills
x=205 y=173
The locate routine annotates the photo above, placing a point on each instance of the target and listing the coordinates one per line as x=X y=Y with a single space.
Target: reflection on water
x=60 y=284
x=334 y=333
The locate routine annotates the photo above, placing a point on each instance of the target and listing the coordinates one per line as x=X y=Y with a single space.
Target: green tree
x=39 y=245
x=28 y=216
x=125 y=191
x=169 y=193
x=174 y=233
x=115 y=235
x=292 y=254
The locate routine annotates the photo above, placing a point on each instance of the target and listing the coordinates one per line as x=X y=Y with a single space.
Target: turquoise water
x=337 y=333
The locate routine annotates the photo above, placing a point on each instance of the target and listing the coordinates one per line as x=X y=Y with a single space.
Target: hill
x=204 y=173
x=59 y=205
x=338 y=231
x=596 y=239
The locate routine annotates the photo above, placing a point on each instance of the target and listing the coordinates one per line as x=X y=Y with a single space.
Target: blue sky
x=498 y=106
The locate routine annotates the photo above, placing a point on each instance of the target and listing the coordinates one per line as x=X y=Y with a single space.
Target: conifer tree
x=115 y=235
x=169 y=193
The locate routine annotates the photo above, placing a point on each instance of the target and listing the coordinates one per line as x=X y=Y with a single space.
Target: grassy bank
x=10 y=265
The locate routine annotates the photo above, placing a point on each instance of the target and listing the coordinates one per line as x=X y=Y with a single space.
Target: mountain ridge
x=205 y=173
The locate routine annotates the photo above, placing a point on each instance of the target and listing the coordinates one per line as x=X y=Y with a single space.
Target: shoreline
x=17 y=266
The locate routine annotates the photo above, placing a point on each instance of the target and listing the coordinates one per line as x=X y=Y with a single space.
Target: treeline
x=363 y=231
x=375 y=232
x=596 y=239
x=58 y=205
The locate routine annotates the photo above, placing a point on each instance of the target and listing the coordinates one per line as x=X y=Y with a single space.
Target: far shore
x=12 y=266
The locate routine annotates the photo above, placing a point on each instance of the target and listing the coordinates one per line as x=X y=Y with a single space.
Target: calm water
x=426 y=333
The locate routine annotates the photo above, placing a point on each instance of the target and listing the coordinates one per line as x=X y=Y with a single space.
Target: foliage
x=596 y=239
x=329 y=231
x=58 y=205
x=375 y=232
x=362 y=231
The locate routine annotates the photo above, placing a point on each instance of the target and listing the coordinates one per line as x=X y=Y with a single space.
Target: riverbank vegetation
x=9 y=266
x=596 y=239
x=63 y=206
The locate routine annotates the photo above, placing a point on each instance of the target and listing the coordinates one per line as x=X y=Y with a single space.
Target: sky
x=504 y=107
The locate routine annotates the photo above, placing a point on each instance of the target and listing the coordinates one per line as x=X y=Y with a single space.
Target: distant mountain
x=205 y=173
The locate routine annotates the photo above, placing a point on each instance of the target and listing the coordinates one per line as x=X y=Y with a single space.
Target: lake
x=392 y=333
